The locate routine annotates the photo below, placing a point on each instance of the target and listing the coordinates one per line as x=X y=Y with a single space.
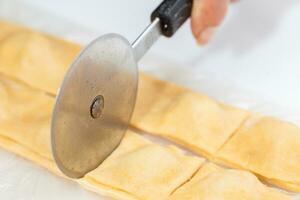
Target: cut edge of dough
x=26 y=153
x=280 y=184
x=93 y=185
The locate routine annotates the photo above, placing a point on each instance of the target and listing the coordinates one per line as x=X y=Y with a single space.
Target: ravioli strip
x=188 y=118
x=145 y=170
x=162 y=108
x=185 y=117
x=214 y=182
x=37 y=59
x=268 y=147
x=137 y=169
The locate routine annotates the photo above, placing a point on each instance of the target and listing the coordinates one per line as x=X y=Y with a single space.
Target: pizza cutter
x=97 y=96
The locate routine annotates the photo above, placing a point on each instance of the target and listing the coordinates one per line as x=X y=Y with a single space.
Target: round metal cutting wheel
x=94 y=105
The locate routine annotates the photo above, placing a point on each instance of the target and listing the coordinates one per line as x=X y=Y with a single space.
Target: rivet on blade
x=97 y=106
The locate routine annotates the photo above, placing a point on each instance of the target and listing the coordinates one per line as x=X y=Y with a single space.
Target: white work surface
x=253 y=62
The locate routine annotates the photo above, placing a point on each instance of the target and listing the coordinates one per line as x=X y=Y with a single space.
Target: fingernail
x=206 y=35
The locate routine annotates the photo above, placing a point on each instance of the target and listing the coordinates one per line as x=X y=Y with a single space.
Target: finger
x=206 y=16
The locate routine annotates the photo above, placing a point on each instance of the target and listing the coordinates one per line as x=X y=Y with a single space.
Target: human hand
x=207 y=15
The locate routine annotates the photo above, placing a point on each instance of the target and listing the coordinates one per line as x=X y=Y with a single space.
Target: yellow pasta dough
x=136 y=168
x=164 y=109
x=188 y=118
x=7 y=29
x=268 y=147
x=37 y=59
x=215 y=183
x=25 y=116
x=145 y=170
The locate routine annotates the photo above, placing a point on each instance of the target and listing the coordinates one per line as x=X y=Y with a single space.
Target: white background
x=253 y=62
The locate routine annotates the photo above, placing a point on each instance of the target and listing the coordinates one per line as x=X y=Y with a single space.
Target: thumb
x=206 y=16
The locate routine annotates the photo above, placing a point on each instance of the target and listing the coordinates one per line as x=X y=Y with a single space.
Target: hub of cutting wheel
x=97 y=107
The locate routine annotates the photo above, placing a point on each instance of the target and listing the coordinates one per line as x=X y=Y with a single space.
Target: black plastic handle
x=172 y=14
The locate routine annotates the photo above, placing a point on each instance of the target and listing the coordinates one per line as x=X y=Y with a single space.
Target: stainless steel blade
x=97 y=97
x=94 y=105
x=96 y=101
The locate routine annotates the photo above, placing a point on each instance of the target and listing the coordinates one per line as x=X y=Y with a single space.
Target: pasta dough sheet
x=137 y=169
x=269 y=148
x=212 y=182
x=145 y=170
x=188 y=118
x=164 y=109
x=25 y=116
x=37 y=59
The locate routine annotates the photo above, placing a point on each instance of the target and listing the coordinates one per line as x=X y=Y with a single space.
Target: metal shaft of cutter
x=144 y=42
